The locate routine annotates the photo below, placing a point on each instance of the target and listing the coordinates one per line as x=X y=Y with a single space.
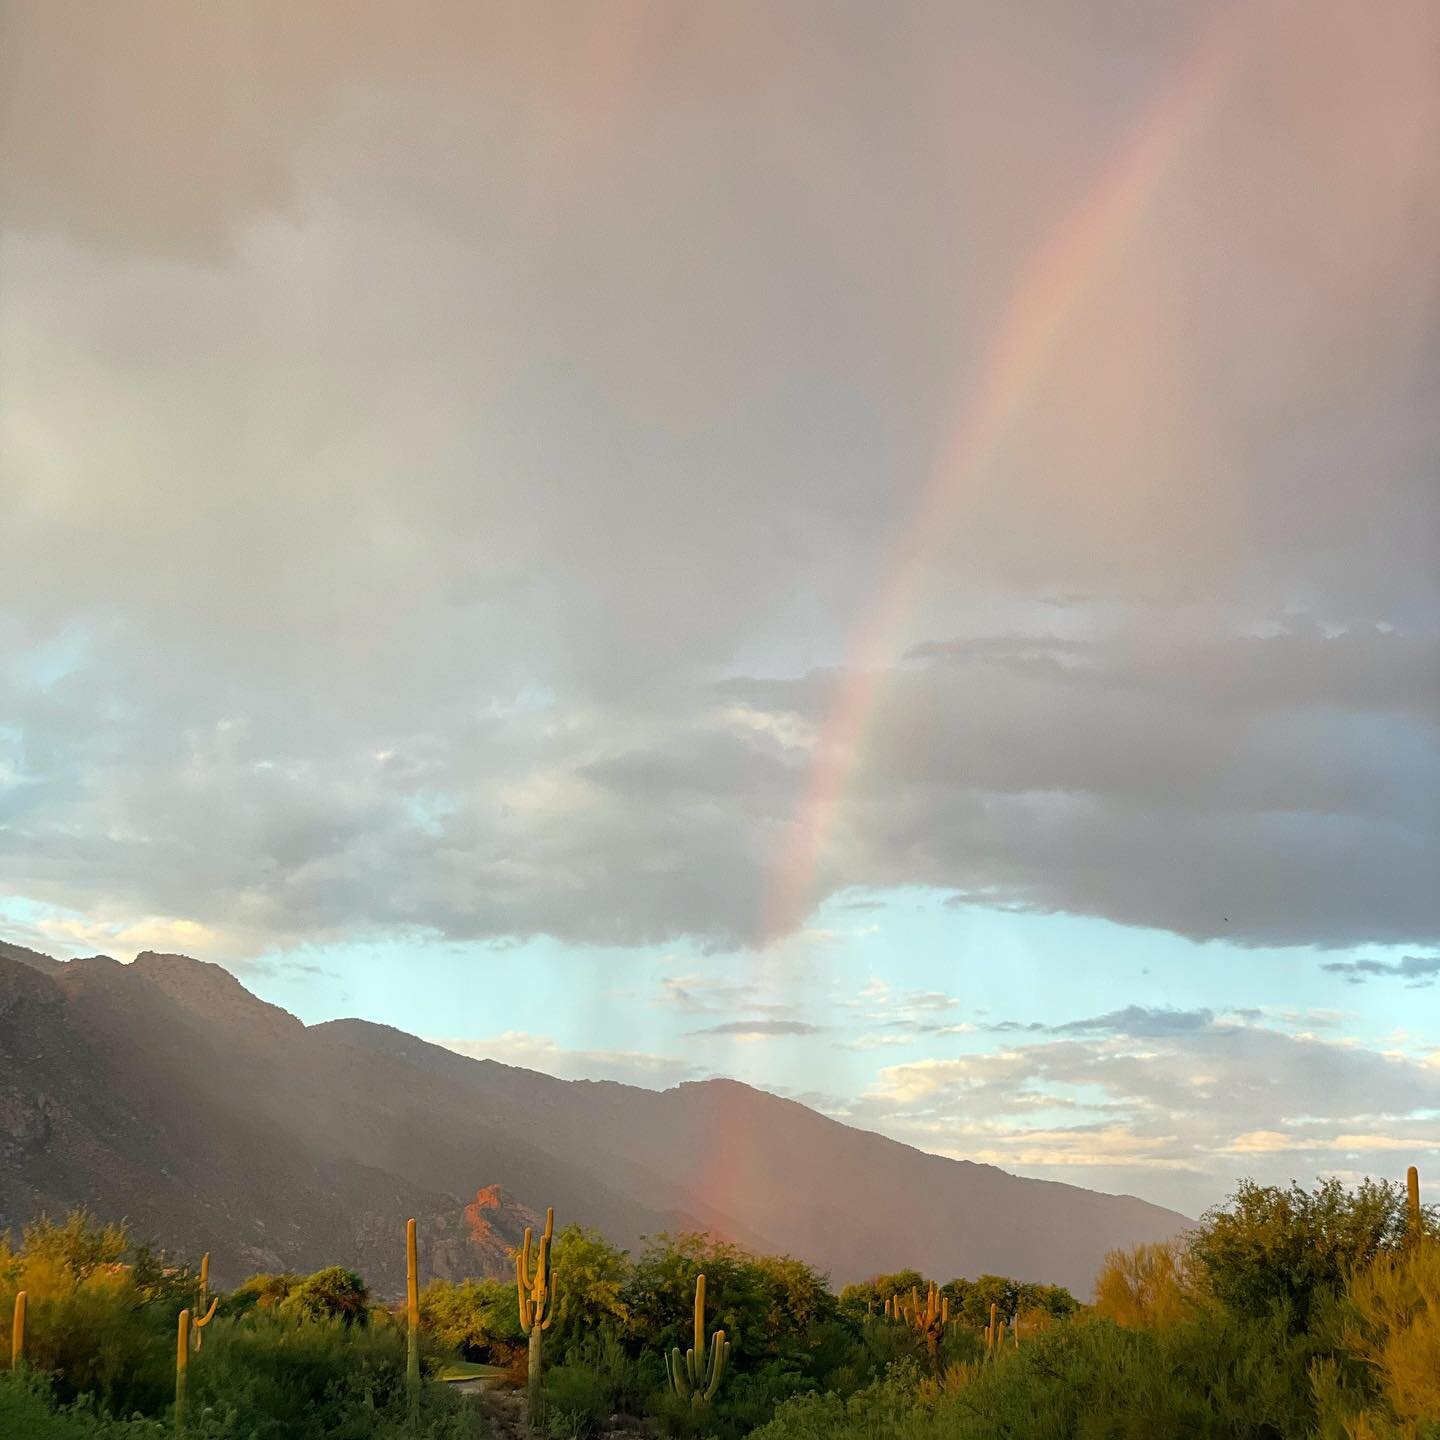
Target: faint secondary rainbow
x=1054 y=287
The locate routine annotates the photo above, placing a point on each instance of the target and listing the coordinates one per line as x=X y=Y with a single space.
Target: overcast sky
x=890 y=551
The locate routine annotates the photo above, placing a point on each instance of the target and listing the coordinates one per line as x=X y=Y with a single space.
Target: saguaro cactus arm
x=202 y=1316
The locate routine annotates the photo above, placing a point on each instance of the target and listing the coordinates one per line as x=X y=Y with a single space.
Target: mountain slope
x=166 y=1092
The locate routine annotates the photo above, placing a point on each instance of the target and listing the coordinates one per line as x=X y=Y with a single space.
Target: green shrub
x=575 y=1402
x=333 y=1293
x=1270 y=1245
x=479 y=1319
x=287 y=1378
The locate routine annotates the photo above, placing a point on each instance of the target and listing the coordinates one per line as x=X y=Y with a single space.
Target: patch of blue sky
x=46 y=664
x=1053 y=969
x=429 y=809
x=24 y=921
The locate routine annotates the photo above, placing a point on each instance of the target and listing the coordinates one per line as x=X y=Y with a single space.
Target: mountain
x=165 y=1092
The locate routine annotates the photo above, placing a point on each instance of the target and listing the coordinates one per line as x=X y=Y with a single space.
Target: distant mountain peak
x=33 y=958
x=209 y=989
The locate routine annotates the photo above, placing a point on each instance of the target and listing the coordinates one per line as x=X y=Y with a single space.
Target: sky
x=888 y=552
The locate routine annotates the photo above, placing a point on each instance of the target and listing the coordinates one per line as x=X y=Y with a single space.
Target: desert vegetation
x=1287 y=1313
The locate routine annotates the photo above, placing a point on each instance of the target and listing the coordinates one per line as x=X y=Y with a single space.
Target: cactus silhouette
x=1413 y=1218
x=536 y=1292
x=696 y=1376
x=17 y=1332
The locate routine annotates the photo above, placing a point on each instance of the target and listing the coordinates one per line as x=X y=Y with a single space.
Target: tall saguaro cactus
x=1413 y=1222
x=182 y=1365
x=412 y=1315
x=17 y=1333
x=536 y=1292
x=696 y=1375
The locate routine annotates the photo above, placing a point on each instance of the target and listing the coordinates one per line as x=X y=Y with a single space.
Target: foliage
x=1392 y=1326
x=1287 y=1315
x=1274 y=1245
x=263 y=1291
x=1086 y=1380
x=76 y=1249
x=1151 y=1285
x=477 y=1318
x=333 y=1293
x=592 y=1276
x=869 y=1296
x=575 y=1402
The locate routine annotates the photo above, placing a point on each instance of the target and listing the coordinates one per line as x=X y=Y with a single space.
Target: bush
x=1391 y=1325
x=295 y=1379
x=478 y=1318
x=262 y=1292
x=574 y=1404
x=1151 y=1285
x=334 y=1293
x=1270 y=1245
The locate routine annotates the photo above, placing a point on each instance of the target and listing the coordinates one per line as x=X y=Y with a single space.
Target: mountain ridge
x=165 y=1091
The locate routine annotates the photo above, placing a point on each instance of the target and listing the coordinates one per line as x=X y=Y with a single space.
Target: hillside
x=164 y=1091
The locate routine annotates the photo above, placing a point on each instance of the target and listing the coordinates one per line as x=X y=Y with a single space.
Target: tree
x=332 y=1293
x=263 y=1291
x=798 y=1298
x=971 y=1300
x=868 y=1297
x=592 y=1275
x=472 y=1316
x=76 y=1249
x=1270 y=1245
x=1151 y=1285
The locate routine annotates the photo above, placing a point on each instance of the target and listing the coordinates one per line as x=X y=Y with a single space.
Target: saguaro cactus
x=696 y=1376
x=1413 y=1229
x=992 y=1330
x=202 y=1316
x=182 y=1364
x=536 y=1291
x=17 y=1333
x=412 y=1315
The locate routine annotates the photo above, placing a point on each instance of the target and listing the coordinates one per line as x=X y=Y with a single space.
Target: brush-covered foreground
x=1287 y=1315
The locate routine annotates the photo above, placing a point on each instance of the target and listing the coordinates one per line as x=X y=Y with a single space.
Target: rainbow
x=1053 y=289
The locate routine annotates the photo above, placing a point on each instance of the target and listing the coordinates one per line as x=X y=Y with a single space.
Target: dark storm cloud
x=447 y=453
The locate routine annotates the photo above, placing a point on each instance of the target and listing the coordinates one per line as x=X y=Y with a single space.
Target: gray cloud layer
x=446 y=454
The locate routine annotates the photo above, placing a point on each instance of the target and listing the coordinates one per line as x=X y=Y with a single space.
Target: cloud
x=1167 y=1108
x=756 y=1028
x=700 y=994
x=1418 y=969
x=457 y=465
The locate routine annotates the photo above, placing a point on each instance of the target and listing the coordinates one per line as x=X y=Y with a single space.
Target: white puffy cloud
x=1175 y=1110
